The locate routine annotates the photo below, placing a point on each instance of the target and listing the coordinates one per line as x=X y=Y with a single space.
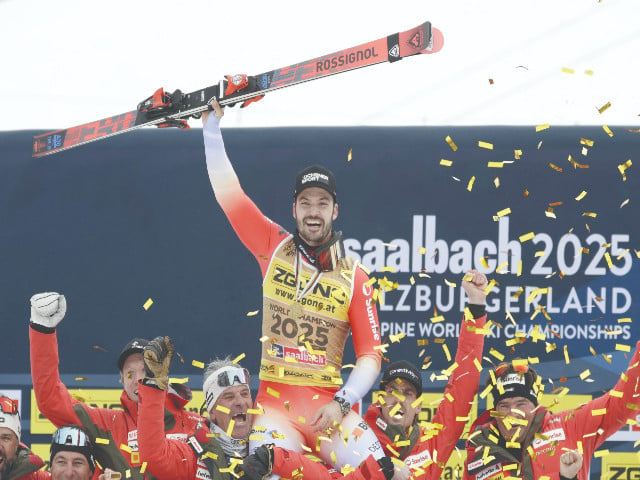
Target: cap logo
x=315 y=177
x=402 y=370
x=513 y=378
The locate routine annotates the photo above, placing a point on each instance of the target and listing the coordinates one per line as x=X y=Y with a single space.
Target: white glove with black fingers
x=48 y=309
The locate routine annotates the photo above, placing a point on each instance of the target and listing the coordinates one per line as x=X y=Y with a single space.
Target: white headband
x=218 y=382
x=11 y=421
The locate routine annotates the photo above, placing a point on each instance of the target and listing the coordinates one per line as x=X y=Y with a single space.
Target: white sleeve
x=360 y=380
x=221 y=172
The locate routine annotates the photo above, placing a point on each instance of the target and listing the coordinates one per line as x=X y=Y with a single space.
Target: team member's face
x=70 y=466
x=516 y=414
x=234 y=402
x=132 y=371
x=8 y=448
x=402 y=393
x=314 y=211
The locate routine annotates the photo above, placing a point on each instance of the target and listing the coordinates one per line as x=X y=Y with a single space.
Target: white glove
x=48 y=309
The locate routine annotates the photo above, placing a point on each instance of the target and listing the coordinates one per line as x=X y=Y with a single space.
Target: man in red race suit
x=313 y=297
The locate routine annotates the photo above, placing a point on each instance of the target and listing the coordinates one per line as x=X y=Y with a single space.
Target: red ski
x=173 y=109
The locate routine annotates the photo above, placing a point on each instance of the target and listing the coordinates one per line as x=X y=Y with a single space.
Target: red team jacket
x=429 y=455
x=588 y=425
x=56 y=404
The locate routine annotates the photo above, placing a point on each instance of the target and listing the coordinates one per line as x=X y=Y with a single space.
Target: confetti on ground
x=147 y=304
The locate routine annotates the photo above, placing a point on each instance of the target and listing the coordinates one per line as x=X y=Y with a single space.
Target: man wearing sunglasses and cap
x=119 y=427
x=17 y=462
x=217 y=448
x=71 y=454
x=521 y=438
x=313 y=297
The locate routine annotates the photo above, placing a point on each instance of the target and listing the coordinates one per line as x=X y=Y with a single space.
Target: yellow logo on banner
x=98 y=398
x=42 y=450
x=620 y=466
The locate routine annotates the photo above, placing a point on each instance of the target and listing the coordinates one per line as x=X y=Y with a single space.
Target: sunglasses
x=9 y=406
x=232 y=376
x=70 y=436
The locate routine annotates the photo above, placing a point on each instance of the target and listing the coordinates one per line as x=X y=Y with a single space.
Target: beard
x=5 y=466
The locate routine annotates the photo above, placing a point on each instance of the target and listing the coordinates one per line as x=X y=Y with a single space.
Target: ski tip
x=437 y=41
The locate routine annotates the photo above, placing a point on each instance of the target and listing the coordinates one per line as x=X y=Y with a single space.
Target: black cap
x=405 y=370
x=316 y=176
x=135 y=345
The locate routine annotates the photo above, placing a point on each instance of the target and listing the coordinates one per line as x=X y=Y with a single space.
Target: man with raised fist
x=119 y=427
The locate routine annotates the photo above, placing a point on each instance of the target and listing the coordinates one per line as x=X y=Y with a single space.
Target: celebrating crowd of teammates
x=154 y=437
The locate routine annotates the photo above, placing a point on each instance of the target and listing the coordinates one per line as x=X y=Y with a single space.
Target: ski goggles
x=8 y=406
x=224 y=378
x=71 y=436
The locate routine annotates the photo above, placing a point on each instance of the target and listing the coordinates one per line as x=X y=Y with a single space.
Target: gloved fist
x=259 y=464
x=157 y=358
x=48 y=309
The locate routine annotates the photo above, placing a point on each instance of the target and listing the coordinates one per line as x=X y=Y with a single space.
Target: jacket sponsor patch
x=489 y=472
x=552 y=436
x=414 y=461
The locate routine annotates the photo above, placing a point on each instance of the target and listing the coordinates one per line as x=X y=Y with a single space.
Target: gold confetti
x=102 y=441
x=581 y=196
x=555 y=167
x=179 y=380
x=232 y=424
x=487 y=145
x=623 y=348
x=496 y=182
x=588 y=72
x=607 y=130
x=253 y=313
x=80 y=379
x=238 y=358
x=495 y=164
x=471 y=182
x=526 y=237
x=542 y=127
x=451 y=143
x=622 y=168
x=147 y=304
x=517 y=154
x=446 y=163
x=350 y=155
x=503 y=212
x=273 y=393
x=197 y=363
x=567 y=70
x=604 y=107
